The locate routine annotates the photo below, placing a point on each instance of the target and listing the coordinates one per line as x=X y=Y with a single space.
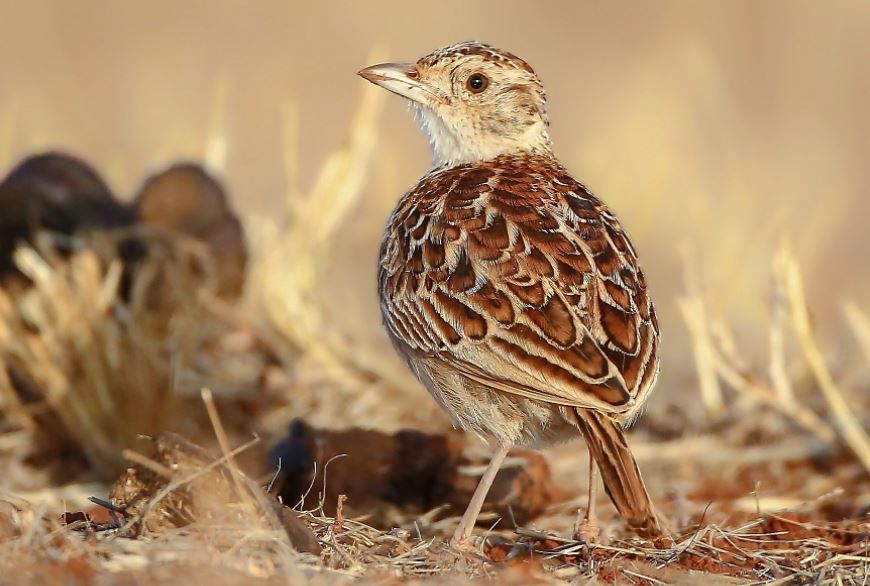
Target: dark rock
x=185 y=199
x=54 y=192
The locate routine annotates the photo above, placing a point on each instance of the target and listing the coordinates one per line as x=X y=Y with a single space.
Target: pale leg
x=588 y=530
x=469 y=518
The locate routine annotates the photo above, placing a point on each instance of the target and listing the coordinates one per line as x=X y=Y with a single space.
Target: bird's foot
x=462 y=545
x=587 y=531
x=458 y=553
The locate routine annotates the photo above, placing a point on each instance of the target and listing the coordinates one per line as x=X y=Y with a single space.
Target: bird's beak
x=404 y=79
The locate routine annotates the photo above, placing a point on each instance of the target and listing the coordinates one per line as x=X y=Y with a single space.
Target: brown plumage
x=512 y=292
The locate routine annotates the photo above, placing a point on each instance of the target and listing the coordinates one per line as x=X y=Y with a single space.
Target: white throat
x=451 y=148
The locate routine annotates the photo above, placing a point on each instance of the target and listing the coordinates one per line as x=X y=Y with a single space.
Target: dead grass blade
x=860 y=325
x=695 y=314
x=853 y=433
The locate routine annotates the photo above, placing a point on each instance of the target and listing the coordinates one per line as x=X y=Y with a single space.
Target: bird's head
x=475 y=102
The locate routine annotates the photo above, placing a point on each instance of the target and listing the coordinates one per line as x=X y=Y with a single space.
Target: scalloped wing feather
x=513 y=273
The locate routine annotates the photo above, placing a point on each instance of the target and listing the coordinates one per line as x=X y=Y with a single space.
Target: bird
x=510 y=290
x=184 y=198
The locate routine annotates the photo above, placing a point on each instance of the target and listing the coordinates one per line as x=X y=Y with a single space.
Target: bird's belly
x=491 y=414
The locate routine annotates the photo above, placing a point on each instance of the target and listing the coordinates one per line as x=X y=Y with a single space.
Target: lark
x=510 y=290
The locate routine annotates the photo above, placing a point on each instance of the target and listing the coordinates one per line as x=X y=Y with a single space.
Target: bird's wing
x=518 y=277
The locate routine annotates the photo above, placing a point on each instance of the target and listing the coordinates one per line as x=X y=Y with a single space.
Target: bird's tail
x=622 y=479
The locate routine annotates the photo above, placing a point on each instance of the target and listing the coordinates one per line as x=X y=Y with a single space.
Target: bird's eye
x=477 y=83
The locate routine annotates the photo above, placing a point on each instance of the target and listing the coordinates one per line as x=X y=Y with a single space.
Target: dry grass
x=94 y=371
x=770 y=487
x=287 y=289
